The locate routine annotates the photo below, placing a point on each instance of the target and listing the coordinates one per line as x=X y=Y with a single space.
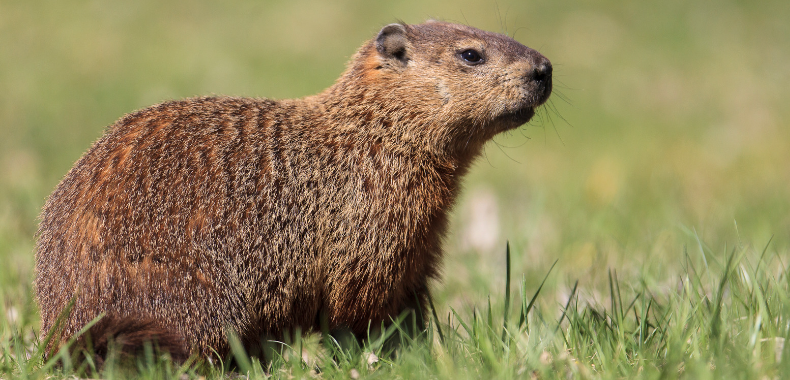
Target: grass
x=647 y=206
x=726 y=317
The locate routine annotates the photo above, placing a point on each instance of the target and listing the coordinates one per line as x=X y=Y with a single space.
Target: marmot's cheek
x=443 y=91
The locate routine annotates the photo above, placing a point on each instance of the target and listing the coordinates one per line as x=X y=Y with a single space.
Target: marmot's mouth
x=518 y=117
x=523 y=114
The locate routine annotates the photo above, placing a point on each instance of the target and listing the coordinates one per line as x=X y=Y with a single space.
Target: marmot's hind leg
x=126 y=337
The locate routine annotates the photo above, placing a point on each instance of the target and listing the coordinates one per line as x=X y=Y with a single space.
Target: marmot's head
x=465 y=77
x=440 y=86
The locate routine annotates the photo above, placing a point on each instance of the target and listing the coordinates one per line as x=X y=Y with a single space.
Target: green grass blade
x=568 y=304
x=56 y=329
x=507 y=291
x=468 y=330
x=612 y=297
x=715 y=324
x=762 y=255
x=526 y=309
x=435 y=318
x=490 y=314
x=239 y=353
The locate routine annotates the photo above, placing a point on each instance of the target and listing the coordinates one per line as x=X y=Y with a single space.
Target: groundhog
x=195 y=218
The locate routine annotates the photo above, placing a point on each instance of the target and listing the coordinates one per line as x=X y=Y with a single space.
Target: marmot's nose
x=541 y=70
x=539 y=77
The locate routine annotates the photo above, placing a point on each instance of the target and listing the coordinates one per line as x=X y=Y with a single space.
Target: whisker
x=505 y=153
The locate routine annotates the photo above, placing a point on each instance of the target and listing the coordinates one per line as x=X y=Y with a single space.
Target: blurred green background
x=669 y=128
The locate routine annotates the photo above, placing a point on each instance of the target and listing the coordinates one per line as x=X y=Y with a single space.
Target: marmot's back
x=194 y=217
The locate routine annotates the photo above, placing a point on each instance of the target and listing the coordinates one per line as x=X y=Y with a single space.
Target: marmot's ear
x=392 y=43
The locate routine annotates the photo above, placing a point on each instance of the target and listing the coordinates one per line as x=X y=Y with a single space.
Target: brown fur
x=128 y=336
x=257 y=215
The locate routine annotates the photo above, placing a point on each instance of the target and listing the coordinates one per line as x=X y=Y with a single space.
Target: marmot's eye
x=471 y=56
